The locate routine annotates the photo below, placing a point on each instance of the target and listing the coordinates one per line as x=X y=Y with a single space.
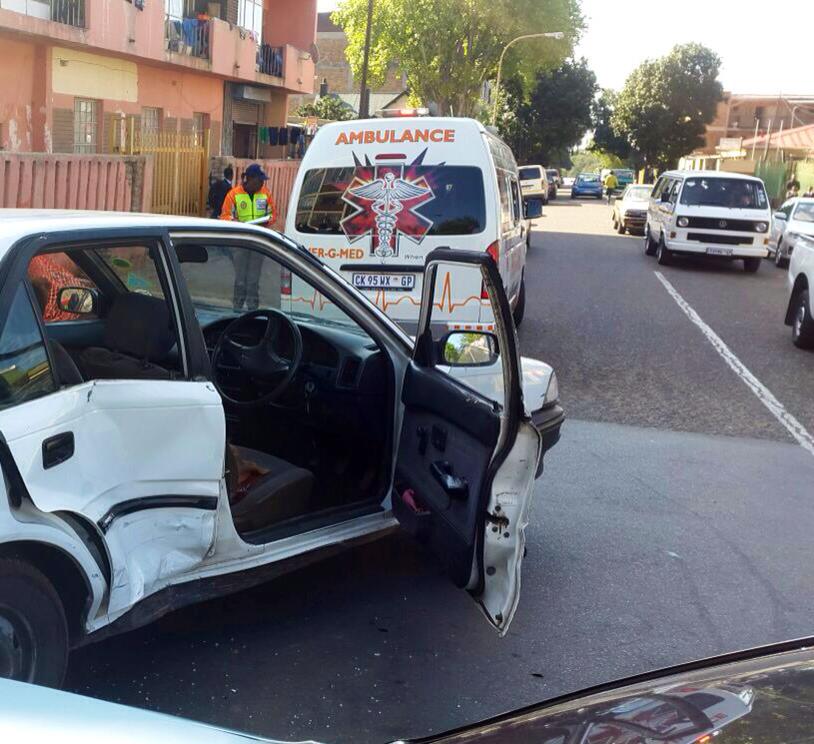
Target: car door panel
x=146 y=467
x=445 y=430
x=465 y=466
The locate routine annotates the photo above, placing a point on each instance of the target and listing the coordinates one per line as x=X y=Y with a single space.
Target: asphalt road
x=673 y=521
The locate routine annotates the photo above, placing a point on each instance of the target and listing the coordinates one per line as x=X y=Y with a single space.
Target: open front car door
x=466 y=464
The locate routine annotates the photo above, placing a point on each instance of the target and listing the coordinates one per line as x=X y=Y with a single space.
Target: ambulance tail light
x=285 y=282
x=494 y=251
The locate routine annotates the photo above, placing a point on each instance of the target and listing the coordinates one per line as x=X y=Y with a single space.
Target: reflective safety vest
x=248 y=208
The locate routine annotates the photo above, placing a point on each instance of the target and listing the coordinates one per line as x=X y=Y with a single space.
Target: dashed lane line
x=764 y=395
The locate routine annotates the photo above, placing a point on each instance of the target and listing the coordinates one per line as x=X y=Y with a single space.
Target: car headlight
x=683 y=221
x=762 y=226
x=552 y=394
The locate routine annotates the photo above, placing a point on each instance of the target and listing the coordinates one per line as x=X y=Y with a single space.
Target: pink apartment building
x=78 y=75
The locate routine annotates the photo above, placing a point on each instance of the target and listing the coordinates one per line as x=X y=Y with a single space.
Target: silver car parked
x=794 y=218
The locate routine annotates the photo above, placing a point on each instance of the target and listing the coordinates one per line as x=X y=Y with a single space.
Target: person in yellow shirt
x=248 y=203
x=611 y=183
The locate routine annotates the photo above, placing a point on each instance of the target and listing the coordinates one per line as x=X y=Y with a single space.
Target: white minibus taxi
x=374 y=197
x=711 y=213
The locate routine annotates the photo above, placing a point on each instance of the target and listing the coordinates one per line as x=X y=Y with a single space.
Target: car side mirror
x=468 y=349
x=780 y=215
x=532 y=208
x=78 y=300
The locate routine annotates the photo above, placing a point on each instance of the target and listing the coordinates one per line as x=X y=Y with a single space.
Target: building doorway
x=244 y=142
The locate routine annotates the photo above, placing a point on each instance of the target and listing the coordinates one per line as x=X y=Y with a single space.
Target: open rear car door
x=466 y=464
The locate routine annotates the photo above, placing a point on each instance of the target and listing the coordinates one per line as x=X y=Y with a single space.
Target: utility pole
x=364 y=108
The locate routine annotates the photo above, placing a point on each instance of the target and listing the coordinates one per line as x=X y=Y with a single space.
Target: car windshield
x=804 y=212
x=588 y=178
x=732 y=193
x=457 y=205
x=527 y=173
x=552 y=174
x=638 y=193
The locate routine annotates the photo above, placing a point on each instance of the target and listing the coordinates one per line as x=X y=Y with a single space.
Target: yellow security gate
x=180 y=165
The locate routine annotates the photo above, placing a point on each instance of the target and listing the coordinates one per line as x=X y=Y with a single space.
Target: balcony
x=188 y=36
x=270 y=60
x=69 y=12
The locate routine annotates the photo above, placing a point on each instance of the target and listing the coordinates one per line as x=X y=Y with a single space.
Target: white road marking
x=764 y=395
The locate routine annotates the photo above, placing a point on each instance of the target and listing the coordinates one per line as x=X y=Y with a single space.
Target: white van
x=373 y=197
x=710 y=213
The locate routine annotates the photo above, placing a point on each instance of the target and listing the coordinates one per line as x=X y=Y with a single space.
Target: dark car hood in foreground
x=764 y=695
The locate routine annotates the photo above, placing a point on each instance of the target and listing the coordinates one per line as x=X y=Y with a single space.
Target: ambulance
x=374 y=197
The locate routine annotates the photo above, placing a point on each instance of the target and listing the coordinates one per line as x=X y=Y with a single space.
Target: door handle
x=455 y=486
x=57 y=449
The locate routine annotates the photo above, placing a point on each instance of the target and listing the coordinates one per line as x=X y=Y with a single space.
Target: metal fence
x=270 y=60
x=180 y=170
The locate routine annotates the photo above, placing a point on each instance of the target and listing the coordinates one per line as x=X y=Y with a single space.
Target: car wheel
x=33 y=628
x=664 y=255
x=779 y=260
x=520 y=306
x=802 y=326
x=751 y=265
x=649 y=244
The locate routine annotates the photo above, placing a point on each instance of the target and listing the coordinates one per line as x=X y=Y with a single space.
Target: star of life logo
x=385 y=199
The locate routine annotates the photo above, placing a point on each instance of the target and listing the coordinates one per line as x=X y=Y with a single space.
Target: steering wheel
x=261 y=361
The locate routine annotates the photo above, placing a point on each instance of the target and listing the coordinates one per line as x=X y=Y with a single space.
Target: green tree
x=543 y=126
x=666 y=103
x=449 y=48
x=605 y=138
x=327 y=107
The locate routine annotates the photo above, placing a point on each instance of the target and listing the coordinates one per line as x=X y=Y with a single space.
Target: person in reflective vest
x=248 y=203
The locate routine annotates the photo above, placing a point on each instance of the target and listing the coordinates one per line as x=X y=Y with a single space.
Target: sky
x=764 y=47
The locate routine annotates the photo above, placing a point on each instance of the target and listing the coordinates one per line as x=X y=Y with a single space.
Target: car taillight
x=285 y=282
x=494 y=251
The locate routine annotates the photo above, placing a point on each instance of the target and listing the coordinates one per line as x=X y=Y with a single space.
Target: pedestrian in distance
x=217 y=192
x=810 y=192
x=249 y=202
x=611 y=183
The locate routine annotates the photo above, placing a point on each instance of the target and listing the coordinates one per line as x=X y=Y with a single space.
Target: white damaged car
x=177 y=423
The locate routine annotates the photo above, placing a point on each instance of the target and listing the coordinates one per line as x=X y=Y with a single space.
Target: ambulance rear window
x=453 y=199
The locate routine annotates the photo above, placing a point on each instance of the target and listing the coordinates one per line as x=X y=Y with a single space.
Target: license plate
x=396 y=282
x=719 y=251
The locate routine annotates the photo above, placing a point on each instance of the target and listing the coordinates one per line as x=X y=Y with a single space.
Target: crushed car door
x=466 y=464
x=139 y=460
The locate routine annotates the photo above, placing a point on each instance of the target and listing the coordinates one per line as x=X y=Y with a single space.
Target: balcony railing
x=270 y=60
x=187 y=36
x=69 y=12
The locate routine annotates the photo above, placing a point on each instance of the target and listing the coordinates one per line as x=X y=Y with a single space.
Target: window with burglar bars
x=151 y=120
x=250 y=17
x=85 y=125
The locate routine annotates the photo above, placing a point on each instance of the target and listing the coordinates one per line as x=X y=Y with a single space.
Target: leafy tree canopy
x=544 y=125
x=605 y=139
x=449 y=48
x=666 y=103
x=327 y=107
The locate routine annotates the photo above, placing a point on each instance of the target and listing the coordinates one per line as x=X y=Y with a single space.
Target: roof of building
x=799 y=138
x=325 y=24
